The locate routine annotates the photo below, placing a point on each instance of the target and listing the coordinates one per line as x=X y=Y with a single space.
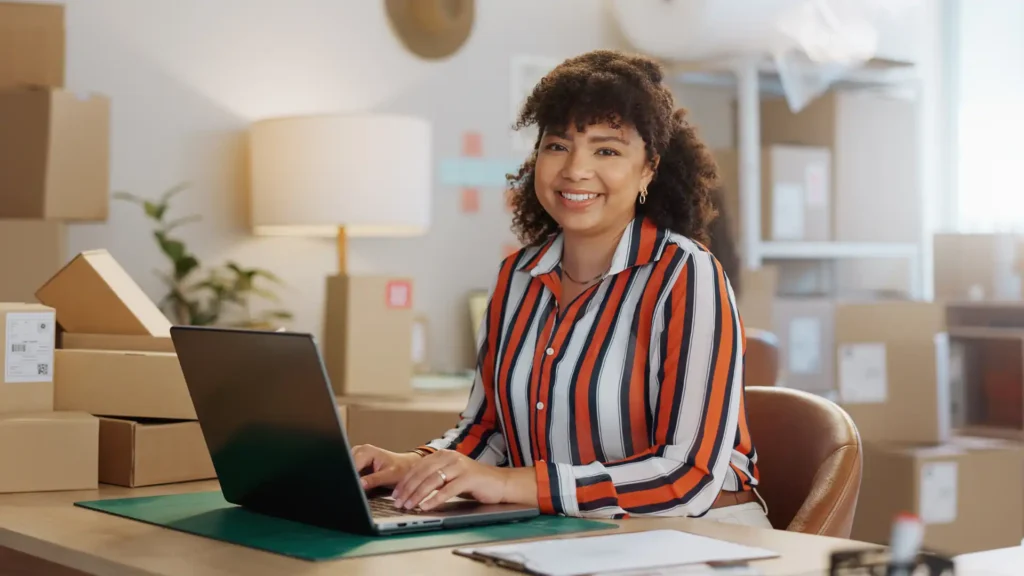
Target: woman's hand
x=463 y=475
x=386 y=468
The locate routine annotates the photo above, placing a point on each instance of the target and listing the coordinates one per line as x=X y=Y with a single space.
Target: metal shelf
x=836 y=250
x=878 y=74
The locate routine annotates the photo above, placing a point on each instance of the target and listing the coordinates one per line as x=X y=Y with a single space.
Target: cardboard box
x=796 y=191
x=27 y=340
x=94 y=295
x=967 y=493
x=876 y=183
x=886 y=363
x=402 y=425
x=987 y=381
x=73 y=341
x=31 y=251
x=134 y=453
x=978 y=267
x=757 y=299
x=31 y=44
x=368 y=335
x=123 y=384
x=48 y=451
x=892 y=370
x=54 y=155
x=806 y=331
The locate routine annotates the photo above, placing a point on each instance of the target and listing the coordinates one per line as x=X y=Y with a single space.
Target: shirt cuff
x=556 y=489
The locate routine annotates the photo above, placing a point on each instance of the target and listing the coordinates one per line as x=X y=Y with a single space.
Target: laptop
x=268 y=414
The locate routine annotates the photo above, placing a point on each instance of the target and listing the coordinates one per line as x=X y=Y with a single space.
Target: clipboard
x=615 y=553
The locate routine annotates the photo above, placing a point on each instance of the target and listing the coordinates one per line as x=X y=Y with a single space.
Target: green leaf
x=185 y=266
x=154 y=211
x=174 y=249
x=172 y=192
x=279 y=314
x=127 y=196
x=268 y=275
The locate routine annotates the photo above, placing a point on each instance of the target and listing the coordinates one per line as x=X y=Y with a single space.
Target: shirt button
x=549 y=351
x=540 y=405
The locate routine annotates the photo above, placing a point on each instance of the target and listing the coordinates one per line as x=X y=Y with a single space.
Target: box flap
x=75 y=341
x=94 y=294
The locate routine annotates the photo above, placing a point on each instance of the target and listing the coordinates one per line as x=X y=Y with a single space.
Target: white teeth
x=578 y=197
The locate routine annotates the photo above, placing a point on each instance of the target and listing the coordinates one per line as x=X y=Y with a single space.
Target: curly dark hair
x=618 y=88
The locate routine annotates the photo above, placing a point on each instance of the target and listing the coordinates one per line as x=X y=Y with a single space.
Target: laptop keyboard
x=385 y=508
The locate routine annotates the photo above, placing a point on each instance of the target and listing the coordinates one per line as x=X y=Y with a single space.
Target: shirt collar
x=642 y=243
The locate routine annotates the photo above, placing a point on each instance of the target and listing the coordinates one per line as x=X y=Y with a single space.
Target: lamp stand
x=342 y=251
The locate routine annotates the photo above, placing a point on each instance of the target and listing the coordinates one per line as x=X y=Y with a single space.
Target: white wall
x=186 y=77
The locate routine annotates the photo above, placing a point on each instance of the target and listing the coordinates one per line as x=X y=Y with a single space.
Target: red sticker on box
x=399 y=294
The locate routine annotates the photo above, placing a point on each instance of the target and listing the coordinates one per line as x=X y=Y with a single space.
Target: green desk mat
x=208 y=514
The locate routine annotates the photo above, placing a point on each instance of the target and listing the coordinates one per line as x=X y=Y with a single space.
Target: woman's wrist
x=520 y=487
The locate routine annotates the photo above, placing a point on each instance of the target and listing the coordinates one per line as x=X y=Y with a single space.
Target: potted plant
x=216 y=296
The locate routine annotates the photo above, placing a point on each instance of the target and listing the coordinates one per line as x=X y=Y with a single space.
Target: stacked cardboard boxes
x=888 y=365
x=53 y=168
x=116 y=361
x=54 y=149
x=424 y=416
x=40 y=449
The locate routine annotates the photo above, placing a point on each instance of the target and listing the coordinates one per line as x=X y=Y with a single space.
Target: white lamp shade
x=370 y=174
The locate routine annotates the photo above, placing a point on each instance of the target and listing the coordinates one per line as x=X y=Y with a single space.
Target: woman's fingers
x=420 y=492
x=425 y=471
x=448 y=491
x=364 y=456
x=387 y=477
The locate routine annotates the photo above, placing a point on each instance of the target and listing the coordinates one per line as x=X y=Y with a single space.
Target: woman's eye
x=608 y=152
x=554 y=146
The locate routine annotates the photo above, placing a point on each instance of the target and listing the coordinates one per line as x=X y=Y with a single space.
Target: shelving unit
x=756 y=77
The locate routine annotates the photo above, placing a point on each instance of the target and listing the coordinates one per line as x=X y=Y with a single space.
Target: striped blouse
x=627 y=400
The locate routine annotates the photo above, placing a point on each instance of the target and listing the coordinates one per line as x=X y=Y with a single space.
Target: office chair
x=809 y=460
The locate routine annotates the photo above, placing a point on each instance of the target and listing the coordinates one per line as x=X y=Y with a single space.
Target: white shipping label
x=862 y=373
x=816 y=184
x=938 y=493
x=28 y=353
x=787 y=211
x=804 y=346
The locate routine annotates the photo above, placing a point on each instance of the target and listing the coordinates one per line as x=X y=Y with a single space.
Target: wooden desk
x=47 y=526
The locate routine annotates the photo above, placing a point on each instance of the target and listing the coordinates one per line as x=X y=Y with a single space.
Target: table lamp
x=348 y=176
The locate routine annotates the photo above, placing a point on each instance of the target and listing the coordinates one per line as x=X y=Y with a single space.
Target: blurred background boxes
x=368 y=332
x=978 y=267
x=796 y=192
x=31 y=251
x=54 y=155
x=968 y=493
x=403 y=424
x=31 y=44
x=27 y=340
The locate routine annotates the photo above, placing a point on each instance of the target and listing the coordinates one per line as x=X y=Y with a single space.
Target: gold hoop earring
x=643 y=195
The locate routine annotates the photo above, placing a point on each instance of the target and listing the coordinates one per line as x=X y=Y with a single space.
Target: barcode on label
x=42 y=369
x=19 y=348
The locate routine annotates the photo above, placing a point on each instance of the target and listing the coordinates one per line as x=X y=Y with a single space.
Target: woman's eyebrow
x=602 y=139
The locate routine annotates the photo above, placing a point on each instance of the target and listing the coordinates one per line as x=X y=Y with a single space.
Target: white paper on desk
x=620 y=553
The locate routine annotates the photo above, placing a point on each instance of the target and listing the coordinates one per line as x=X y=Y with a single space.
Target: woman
x=609 y=378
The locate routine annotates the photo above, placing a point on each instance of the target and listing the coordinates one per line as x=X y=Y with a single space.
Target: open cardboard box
x=116 y=357
x=146 y=453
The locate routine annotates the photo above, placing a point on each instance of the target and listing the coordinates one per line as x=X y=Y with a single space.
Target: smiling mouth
x=573 y=197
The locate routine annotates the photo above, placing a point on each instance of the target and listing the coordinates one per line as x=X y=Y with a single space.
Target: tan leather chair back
x=809 y=458
x=761 y=362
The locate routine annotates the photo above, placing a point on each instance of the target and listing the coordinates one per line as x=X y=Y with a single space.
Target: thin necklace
x=591 y=281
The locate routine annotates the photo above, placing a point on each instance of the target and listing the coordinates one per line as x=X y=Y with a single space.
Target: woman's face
x=589 y=181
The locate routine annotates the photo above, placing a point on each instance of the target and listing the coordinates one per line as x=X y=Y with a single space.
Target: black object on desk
x=875 y=562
